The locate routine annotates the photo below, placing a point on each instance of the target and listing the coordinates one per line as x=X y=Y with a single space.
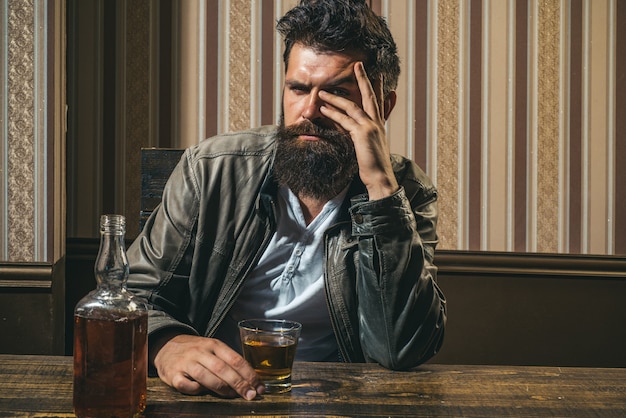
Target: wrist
x=382 y=189
x=379 y=183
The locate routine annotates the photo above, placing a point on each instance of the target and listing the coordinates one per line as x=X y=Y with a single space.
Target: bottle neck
x=111 y=268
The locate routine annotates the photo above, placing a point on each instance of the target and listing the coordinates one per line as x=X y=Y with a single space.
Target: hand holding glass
x=270 y=347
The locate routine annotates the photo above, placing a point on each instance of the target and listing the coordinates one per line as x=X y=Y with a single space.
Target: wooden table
x=42 y=386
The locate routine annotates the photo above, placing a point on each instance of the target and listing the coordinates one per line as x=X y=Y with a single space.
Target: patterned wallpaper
x=24 y=226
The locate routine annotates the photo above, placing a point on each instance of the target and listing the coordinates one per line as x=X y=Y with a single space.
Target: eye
x=298 y=89
x=339 y=92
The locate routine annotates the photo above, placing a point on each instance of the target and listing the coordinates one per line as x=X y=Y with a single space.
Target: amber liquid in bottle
x=110 y=337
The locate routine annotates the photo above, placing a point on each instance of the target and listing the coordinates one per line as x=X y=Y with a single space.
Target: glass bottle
x=110 y=335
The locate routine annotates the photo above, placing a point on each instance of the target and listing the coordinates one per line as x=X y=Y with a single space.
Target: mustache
x=309 y=128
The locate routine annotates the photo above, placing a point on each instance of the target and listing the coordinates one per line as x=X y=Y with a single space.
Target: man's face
x=315 y=156
x=309 y=72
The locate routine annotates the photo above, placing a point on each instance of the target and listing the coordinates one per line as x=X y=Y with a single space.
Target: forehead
x=308 y=64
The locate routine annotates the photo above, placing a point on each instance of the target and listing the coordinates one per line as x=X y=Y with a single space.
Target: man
x=312 y=221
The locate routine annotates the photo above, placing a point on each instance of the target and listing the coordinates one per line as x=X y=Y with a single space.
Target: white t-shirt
x=288 y=282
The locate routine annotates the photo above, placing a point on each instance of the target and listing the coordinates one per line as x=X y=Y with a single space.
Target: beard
x=318 y=169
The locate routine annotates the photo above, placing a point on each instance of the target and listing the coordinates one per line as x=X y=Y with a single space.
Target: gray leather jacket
x=217 y=216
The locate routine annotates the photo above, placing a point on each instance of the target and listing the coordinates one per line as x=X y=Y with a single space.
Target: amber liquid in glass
x=272 y=359
x=109 y=376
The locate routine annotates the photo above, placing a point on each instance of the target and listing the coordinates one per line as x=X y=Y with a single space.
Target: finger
x=214 y=376
x=347 y=117
x=342 y=110
x=371 y=101
x=186 y=385
x=233 y=372
x=193 y=365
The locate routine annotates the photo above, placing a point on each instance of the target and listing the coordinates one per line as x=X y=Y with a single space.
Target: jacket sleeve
x=159 y=256
x=401 y=310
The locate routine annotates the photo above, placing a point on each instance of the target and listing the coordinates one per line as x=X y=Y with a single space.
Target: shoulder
x=228 y=158
x=257 y=141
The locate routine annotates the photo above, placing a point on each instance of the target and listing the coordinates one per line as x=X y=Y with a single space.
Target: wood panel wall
x=504 y=308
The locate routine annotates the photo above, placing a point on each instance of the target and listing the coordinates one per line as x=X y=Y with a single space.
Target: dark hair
x=348 y=26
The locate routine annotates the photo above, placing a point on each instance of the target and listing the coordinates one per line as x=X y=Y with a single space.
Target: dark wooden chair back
x=156 y=166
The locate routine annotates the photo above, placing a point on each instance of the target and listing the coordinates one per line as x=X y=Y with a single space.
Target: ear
x=389 y=103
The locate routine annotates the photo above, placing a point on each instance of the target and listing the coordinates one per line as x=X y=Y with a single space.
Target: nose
x=311 y=109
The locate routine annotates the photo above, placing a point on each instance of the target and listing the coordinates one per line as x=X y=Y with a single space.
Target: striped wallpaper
x=513 y=107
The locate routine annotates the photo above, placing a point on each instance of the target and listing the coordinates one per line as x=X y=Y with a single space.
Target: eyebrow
x=343 y=80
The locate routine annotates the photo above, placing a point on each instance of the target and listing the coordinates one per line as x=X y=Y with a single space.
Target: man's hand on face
x=366 y=125
x=194 y=365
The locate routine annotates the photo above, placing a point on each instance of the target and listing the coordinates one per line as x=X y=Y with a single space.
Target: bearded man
x=312 y=221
